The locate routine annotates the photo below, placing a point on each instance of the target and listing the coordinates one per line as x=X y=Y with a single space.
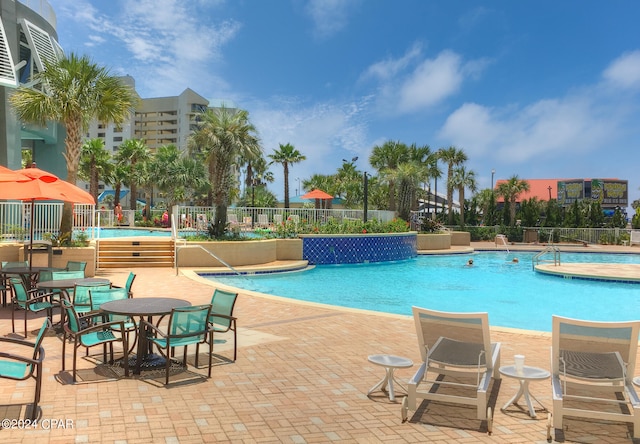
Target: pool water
x=106 y=233
x=512 y=293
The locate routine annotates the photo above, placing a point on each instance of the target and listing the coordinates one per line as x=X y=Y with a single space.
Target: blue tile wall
x=322 y=250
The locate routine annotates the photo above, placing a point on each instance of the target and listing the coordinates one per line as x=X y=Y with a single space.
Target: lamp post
x=366 y=197
x=549 y=193
x=298 y=189
x=493 y=171
x=492 y=206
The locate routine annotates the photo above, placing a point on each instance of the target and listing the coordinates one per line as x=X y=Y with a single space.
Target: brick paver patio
x=302 y=376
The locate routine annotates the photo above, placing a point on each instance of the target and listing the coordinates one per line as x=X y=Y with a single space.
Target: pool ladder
x=550 y=249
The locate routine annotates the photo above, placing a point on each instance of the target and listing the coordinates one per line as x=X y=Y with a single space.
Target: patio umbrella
x=317 y=194
x=39 y=185
x=7 y=175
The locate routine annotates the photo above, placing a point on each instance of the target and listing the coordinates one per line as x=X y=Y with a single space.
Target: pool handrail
x=210 y=253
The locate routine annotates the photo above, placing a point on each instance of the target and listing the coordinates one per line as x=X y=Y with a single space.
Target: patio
x=302 y=375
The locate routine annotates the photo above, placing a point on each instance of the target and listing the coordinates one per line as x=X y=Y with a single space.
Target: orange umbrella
x=317 y=194
x=7 y=175
x=35 y=184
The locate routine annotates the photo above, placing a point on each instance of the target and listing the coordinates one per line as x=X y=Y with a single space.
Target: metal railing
x=537 y=259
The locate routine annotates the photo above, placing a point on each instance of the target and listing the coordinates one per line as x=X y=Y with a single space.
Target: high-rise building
x=28 y=38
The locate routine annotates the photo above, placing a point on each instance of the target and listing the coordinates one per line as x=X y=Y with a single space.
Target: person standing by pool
x=165 y=218
x=118 y=212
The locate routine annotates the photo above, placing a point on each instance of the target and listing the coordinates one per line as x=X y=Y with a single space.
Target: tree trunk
x=286 y=185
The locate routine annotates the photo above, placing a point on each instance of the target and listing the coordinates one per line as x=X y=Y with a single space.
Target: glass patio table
x=141 y=308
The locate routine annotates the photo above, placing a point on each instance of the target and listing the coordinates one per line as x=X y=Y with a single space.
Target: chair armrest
x=33 y=299
x=23 y=358
x=18 y=341
x=102 y=326
x=231 y=318
x=154 y=328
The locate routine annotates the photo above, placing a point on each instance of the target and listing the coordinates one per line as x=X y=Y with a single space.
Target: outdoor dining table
x=29 y=275
x=67 y=284
x=141 y=308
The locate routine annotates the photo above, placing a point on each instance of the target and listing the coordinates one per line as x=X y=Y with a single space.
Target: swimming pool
x=108 y=233
x=513 y=294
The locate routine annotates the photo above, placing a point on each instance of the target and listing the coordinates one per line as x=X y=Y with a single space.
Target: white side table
x=390 y=363
x=527 y=375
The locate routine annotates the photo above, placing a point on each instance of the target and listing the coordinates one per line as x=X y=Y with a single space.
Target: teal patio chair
x=187 y=326
x=20 y=367
x=99 y=333
x=76 y=266
x=29 y=301
x=128 y=284
x=221 y=318
x=82 y=297
x=100 y=295
x=5 y=285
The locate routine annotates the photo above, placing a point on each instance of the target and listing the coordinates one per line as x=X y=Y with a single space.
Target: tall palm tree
x=485 y=199
x=387 y=157
x=452 y=156
x=510 y=190
x=433 y=172
x=407 y=176
x=74 y=91
x=95 y=163
x=222 y=136
x=286 y=155
x=131 y=153
x=463 y=179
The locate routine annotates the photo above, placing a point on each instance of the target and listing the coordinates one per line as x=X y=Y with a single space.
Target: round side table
x=390 y=363
x=525 y=376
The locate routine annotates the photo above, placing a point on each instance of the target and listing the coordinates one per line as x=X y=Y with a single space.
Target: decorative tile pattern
x=358 y=249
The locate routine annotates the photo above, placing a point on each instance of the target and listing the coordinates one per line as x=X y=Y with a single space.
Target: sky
x=535 y=88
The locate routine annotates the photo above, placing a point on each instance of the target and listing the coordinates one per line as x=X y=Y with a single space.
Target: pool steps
x=135 y=252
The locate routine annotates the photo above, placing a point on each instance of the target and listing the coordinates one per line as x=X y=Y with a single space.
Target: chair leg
x=167 y=367
x=64 y=342
x=36 y=398
x=75 y=353
x=210 y=352
x=235 y=343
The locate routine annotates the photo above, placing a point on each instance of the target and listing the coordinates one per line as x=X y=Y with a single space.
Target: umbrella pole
x=31 y=230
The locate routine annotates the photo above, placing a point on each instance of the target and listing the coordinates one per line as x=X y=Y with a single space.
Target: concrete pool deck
x=301 y=376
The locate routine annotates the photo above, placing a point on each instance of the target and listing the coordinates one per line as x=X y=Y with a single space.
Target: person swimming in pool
x=469 y=263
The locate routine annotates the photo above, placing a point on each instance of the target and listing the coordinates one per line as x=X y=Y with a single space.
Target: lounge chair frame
x=454 y=344
x=589 y=358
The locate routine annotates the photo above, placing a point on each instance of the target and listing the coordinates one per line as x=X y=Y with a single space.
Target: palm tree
x=433 y=172
x=74 y=92
x=179 y=176
x=388 y=157
x=95 y=163
x=130 y=153
x=407 y=176
x=222 y=136
x=286 y=155
x=510 y=190
x=485 y=199
x=463 y=179
x=452 y=156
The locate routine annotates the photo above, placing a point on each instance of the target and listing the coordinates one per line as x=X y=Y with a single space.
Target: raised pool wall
x=324 y=249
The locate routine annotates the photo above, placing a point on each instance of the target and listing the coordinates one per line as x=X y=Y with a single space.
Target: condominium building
x=28 y=37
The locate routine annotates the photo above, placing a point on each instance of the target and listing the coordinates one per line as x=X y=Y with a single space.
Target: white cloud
x=431 y=82
x=413 y=83
x=330 y=16
x=553 y=129
x=175 y=41
x=320 y=132
x=624 y=72
x=389 y=68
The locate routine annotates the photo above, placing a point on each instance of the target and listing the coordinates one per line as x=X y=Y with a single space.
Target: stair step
x=135 y=253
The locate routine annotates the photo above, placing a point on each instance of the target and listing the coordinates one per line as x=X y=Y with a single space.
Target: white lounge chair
x=635 y=237
x=592 y=366
x=263 y=221
x=457 y=345
x=277 y=219
x=232 y=219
